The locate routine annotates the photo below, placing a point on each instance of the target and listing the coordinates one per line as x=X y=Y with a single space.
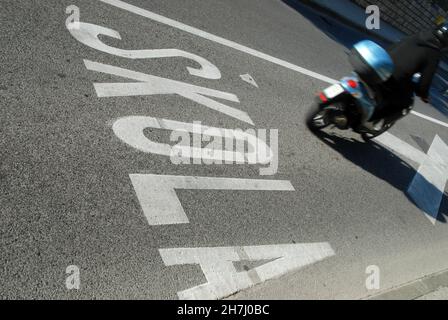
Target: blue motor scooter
x=352 y=101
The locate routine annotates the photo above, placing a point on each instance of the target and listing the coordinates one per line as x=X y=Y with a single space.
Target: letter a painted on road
x=223 y=279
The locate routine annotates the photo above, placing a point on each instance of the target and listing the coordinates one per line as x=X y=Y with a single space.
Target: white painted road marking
x=161 y=206
x=249 y=79
x=203 y=34
x=151 y=85
x=421 y=115
x=400 y=147
x=222 y=276
x=428 y=185
x=88 y=34
x=157 y=195
x=131 y=131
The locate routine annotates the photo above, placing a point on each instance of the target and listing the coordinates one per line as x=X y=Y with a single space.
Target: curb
x=415 y=289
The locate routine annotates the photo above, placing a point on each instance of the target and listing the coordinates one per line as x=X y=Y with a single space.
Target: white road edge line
x=428 y=185
x=203 y=34
x=212 y=37
x=421 y=115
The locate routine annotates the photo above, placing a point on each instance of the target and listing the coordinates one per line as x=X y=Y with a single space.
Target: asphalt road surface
x=88 y=190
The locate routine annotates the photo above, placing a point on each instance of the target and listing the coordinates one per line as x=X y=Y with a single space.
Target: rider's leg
x=393 y=105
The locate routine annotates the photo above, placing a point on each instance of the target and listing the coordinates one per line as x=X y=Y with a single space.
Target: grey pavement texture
x=66 y=194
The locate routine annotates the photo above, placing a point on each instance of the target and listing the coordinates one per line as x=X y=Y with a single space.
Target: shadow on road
x=380 y=162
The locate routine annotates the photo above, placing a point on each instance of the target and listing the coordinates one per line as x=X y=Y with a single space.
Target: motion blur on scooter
x=351 y=103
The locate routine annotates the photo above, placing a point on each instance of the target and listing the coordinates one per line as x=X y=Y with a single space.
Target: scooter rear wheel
x=316 y=119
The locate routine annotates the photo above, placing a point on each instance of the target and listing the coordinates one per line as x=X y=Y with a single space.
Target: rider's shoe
x=371 y=126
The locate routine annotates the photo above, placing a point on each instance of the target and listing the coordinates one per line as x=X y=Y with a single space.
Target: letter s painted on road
x=88 y=34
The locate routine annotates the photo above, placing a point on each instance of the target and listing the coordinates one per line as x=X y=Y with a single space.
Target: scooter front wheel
x=368 y=136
